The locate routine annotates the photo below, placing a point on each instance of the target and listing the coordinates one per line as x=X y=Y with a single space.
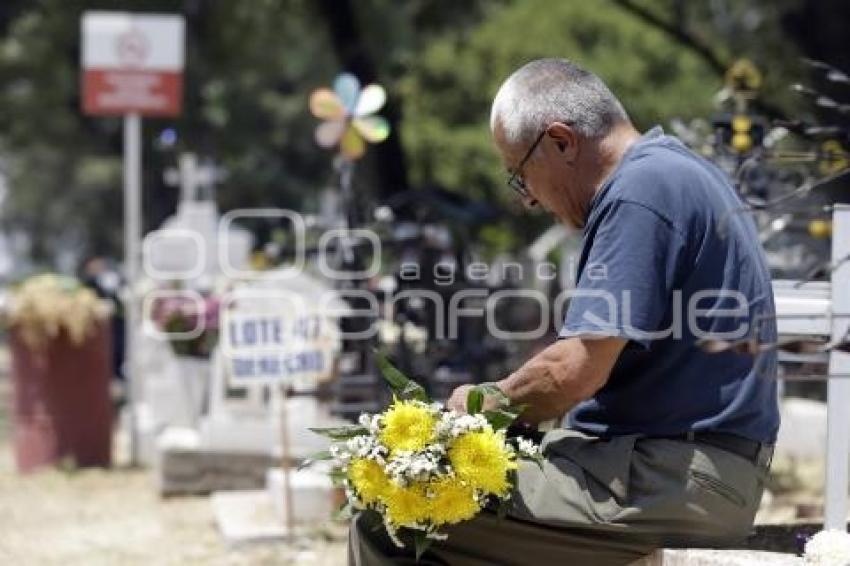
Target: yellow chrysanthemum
x=407 y=426
x=406 y=505
x=453 y=501
x=369 y=479
x=483 y=460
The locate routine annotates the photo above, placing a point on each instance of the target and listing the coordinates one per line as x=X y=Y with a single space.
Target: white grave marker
x=284 y=336
x=186 y=247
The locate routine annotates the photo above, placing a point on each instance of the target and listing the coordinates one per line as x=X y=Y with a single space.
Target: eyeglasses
x=515 y=181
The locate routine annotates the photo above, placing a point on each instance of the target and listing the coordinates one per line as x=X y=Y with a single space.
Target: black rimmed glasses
x=516 y=181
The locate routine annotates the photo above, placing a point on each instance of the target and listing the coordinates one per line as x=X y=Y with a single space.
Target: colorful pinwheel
x=348 y=117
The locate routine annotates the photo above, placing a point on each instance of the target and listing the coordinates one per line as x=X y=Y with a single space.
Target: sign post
x=285 y=460
x=132 y=243
x=132 y=66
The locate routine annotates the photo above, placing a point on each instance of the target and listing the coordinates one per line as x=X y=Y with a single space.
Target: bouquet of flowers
x=420 y=466
x=181 y=315
x=47 y=305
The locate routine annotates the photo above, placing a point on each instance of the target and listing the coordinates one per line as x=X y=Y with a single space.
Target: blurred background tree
x=251 y=66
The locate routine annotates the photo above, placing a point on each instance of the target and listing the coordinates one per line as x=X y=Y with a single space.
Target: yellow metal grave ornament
x=743 y=78
x=742 y=141
x=834 y=158
x=820 y=229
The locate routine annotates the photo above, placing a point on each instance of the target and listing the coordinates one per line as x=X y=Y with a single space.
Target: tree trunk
x=353 y=55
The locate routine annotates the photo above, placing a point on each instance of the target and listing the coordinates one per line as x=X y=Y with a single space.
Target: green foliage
x=251 y=66
x=503 y=412
x=421 y=543
x=474 y=401
x=316 y=457
x=449 y=89
x=341 y=432
x=401 y=386
x=755 y=29
x=502 y=418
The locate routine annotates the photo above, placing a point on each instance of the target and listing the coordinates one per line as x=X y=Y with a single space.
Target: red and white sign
x=132 y=63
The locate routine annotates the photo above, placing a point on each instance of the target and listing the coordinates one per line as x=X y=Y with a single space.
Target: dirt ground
x=115 y=517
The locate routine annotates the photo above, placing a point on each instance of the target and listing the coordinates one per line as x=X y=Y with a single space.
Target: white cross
x=191 y=177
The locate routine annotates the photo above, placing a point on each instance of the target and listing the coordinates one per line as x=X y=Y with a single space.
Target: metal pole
x=285 y=452
x=132 y=256
x=838 y=390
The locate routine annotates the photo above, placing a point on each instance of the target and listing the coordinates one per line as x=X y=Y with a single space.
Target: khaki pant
x=596 y=502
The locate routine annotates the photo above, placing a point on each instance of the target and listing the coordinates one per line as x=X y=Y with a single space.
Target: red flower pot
x=61 y=406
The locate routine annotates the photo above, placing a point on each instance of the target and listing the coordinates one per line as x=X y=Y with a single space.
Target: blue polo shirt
x=666 y=262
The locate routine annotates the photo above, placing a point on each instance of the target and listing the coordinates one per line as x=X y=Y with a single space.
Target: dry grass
x=115 y=517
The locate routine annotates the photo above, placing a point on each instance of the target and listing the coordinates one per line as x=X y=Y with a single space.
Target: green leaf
x=504 y=416
x=421 y=543
x=500 y=419
x=516 y=409
x=492 y=390
x=341 y=432
x=402 y=386
x=474 y=401
x=313 y=458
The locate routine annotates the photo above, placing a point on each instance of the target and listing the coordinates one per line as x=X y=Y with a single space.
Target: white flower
x=406 y=466
x=375 y=425
x=452 y=424
x=363 y=446
x=370 y=422
x=343 y=457
x=828 y=548
x=527 y=448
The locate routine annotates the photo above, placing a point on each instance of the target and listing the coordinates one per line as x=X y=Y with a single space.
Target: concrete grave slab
x=712 y=557
x=247 y=516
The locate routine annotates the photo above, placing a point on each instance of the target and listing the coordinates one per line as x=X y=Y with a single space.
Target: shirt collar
x=653 y=134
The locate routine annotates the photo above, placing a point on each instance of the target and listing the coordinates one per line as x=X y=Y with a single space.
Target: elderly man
x=661 y=444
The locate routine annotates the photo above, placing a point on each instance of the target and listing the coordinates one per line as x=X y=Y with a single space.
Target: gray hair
x=550 y=90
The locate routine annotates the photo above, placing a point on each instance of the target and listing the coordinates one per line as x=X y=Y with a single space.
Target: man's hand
x=457 y=400
x=555 y=380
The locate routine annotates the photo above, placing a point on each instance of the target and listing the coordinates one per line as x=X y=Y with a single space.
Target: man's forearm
x=564 y=374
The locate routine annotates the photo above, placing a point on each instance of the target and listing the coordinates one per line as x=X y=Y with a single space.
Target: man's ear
x=566 y=139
